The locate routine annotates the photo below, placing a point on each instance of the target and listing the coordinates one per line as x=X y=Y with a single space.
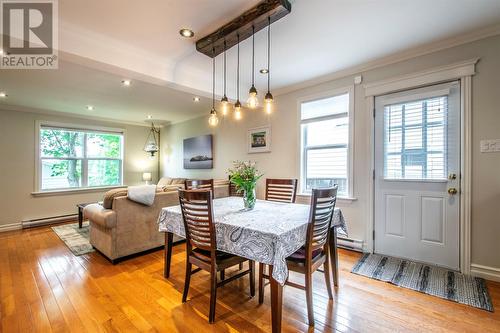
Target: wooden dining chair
x=232 y=190
x=282 y=190
x=199 y=184
x=316 y=251
x=201 y=251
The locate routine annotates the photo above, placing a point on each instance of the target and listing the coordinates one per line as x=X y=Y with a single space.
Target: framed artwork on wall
x=259 y=140
x=198 y=152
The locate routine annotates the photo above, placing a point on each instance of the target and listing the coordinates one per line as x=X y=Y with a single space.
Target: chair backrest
x=200 y=184
x=232 y=190
x=320 y=217
x=197 y=213
x=282 y=190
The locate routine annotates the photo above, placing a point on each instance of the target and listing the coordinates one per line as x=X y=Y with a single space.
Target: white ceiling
x=140 y=39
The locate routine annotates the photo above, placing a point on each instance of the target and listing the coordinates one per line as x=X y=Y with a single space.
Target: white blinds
x=415 y=139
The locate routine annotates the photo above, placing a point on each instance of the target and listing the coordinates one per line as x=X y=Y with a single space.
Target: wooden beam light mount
x=242 y=25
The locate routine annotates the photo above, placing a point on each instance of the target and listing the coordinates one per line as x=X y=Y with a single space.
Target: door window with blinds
x=415 y=139
x=72 y=158
x=325 y=135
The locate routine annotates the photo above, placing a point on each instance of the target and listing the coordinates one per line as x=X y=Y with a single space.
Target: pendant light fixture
x=237 y=105
x=152 y=145
x=224 y=101
x=268 y=100
x=253 y=101
x=213 y=120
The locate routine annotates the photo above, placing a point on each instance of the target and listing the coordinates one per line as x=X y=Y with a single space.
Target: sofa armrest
x=100 y=215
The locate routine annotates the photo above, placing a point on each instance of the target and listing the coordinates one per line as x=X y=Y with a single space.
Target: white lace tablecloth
x=269 y=233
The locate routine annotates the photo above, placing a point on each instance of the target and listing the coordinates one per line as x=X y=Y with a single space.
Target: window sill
x=344 y=200
x=75 y=190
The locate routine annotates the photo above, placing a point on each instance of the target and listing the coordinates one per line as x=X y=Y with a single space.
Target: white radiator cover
x=350 y=244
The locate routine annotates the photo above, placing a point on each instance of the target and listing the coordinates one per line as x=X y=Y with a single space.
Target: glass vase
x=249 y=198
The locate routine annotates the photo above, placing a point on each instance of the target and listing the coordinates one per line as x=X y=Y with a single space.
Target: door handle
x=452 y=191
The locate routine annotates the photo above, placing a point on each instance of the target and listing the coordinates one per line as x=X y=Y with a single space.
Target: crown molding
x=395 y=58
x=17 y=108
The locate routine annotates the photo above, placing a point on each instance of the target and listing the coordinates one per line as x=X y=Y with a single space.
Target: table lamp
x=146 y=176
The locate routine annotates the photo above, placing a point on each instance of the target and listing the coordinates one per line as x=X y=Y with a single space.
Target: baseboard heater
x=48 y=220
x=350 y=244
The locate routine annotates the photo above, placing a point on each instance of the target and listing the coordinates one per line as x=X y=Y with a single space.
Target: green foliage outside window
x=64 y=151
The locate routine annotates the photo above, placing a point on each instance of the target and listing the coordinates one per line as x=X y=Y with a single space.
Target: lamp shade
x=146 y=176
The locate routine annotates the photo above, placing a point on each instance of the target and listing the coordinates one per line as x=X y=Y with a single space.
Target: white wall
x=230 y=142
x=17 y=167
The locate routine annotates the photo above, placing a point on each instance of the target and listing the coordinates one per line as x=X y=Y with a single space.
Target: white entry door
x=417 y=171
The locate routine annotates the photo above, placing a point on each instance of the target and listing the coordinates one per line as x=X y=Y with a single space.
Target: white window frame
x=79 y=127
x=350 y=145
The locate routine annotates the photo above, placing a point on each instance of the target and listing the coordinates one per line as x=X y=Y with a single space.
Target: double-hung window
x=71 y=158
x=325 y=143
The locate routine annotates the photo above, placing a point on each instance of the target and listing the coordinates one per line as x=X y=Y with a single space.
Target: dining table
x=268 y=234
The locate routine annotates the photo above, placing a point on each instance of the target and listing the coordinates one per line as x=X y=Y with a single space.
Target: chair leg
x=309 y=298
x=328 y=280
x=222 y=275
x=186 y=281
x=213 y=296
x=261 y=283
x=251 y=264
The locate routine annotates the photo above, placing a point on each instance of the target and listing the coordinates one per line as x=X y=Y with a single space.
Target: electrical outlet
x=490 y=146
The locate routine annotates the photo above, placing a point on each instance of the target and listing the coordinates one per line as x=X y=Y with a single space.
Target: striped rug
x=76 y=239
x=428 y=279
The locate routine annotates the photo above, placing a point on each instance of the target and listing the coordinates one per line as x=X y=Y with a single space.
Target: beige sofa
x=121 y=227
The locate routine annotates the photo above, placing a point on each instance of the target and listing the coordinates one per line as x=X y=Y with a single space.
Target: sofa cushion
x=169 y=188
x=178 y=181
x=164 y=181
x=109 y=196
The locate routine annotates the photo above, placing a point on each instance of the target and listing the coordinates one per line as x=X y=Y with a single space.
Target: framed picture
x=259 y=140
x=198 y=152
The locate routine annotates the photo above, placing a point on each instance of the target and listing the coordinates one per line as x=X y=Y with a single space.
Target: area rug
x=428 y=279
x=76 y=239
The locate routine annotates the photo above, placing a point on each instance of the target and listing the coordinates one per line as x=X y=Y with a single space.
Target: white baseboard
x=10 y=227
x=486 y=272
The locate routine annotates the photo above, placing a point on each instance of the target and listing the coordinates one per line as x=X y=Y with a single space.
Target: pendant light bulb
x=224 y=101
x=253 y=101
x=225 y=105
x=268 y=99
x=237 y=105
x=268 y=103
x=213 y=120
x=237 y=110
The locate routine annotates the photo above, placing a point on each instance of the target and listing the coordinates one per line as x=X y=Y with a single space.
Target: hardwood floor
x=44 y=288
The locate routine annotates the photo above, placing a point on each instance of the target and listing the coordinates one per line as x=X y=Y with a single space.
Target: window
x=325 y=136
x=78 y=158
x=415 y=139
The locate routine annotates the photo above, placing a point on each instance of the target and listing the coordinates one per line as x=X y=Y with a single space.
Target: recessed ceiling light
x=185 y=32
x=196 y=99
x=264 y=71
x=126 y=83
x=90 y=108
x=150 y=116
x=3 y=94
